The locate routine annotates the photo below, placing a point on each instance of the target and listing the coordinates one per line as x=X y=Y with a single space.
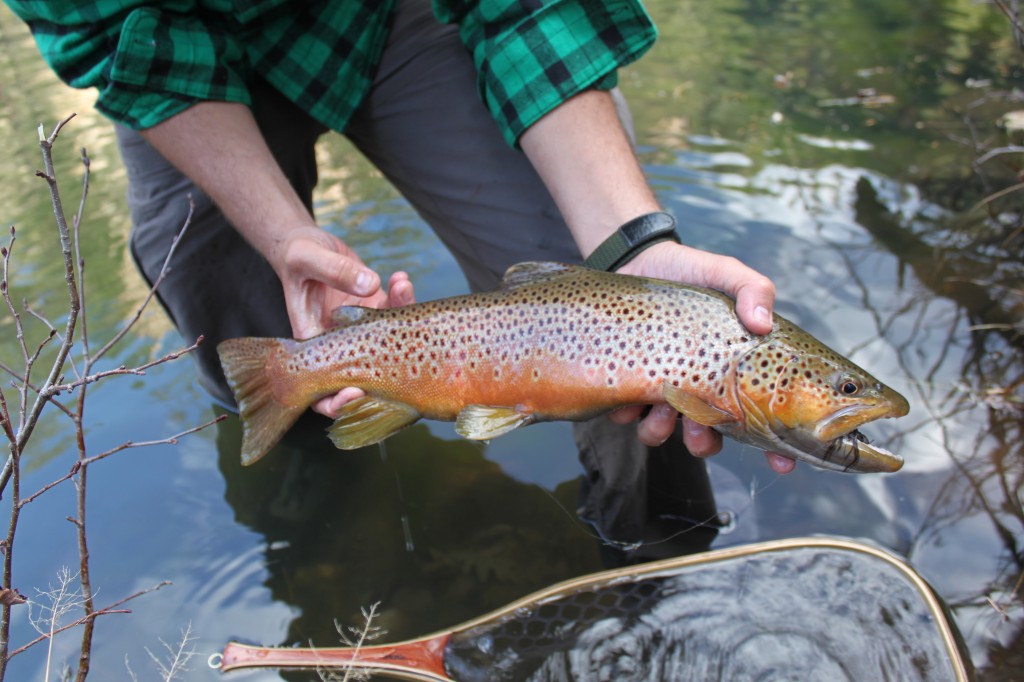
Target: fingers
x=318 y=256
x=625 y=415
x=700 y=440
x=658 y=425
x=400 y=290
x=754 y=293
x=755 y=300
x=330 y=405
x=779 y=463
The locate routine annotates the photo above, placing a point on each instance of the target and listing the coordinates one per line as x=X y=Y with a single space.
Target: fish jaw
x=852 y=452
x=847 y=419
x=848 y=453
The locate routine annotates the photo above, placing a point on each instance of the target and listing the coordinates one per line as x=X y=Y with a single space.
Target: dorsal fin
x=532 y=272
x=348 y=315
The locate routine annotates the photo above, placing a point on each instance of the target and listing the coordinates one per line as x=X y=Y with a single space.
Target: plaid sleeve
x=146 y=63
x=530 y=61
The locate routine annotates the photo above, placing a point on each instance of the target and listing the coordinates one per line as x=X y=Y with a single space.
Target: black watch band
x=629 y=240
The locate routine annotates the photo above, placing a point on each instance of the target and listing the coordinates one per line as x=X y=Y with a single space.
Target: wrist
x=631 y=239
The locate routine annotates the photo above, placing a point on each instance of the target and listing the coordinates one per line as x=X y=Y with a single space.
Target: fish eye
x=847 y=385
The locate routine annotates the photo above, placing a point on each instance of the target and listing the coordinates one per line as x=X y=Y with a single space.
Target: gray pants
x=425 y=128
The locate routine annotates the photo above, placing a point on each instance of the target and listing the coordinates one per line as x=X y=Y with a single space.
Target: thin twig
x=998 y=151
x=1013 y=16
x=138 y=371
x=90 y=616
x=76 y=224
x=170 y=440
x=152 y=290
x=5 y=290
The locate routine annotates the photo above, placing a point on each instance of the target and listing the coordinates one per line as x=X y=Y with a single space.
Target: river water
x=827 y=144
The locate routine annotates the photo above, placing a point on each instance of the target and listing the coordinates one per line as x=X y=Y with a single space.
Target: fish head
x=808 y=401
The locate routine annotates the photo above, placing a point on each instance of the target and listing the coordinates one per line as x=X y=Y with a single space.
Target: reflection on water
x=857 y=213
x=350 y=520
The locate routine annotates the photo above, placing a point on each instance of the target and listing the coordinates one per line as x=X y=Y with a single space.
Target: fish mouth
x=850 y=452
x=846 y=421
x=853 y=452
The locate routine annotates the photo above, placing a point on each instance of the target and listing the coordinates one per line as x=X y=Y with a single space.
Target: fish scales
x=563 y=342
x=562 y=349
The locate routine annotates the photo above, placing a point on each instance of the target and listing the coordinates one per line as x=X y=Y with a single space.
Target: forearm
x=587 y=163
x=219 y=146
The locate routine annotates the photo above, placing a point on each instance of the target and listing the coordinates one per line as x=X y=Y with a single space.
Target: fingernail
x=762 y=315
x=693 y=428
x=363 y=283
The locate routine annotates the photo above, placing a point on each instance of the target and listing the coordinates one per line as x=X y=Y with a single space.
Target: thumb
x=312 y=261
x=754 y=304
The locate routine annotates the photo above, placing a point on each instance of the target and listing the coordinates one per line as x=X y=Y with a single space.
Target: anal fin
x=369 y=420
x=696 y=409
x=483 y=422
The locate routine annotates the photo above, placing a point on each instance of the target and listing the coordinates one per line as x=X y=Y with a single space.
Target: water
x=730 y=619
x=858 y=213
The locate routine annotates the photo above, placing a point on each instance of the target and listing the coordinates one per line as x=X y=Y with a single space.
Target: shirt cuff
x=166 y=62
x=531 y=64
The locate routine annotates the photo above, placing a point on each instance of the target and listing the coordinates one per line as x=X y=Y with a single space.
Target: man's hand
x=755 y=296
x=586 y=161
x=319 y=274
x=219 y=146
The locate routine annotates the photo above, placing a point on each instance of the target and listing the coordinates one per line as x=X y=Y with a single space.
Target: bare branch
x=1014 y=17
x=90 y=616
x=77 y=223
x=998 y=151
x=76 y=467
x=69 y=278
x=152 y=290
x=57 y=389
x=5 y=290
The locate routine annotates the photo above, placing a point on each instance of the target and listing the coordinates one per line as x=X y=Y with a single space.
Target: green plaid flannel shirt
x=152 y=60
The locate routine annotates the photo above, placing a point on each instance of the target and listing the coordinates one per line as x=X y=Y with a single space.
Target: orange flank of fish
x=559 y=342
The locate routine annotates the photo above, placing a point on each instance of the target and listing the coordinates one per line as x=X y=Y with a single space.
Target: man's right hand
x=320 y=273
x=219 y=146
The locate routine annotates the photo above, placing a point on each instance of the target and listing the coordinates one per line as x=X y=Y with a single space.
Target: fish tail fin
x=265 y=419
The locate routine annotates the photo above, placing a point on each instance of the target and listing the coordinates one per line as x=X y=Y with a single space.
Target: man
x=498 y=123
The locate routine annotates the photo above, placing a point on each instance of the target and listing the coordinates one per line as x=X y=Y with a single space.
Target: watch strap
x=627 y=242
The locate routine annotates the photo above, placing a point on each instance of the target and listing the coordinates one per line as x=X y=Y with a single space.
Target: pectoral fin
x=483 y=422
x=696 y=409
x=369 y=420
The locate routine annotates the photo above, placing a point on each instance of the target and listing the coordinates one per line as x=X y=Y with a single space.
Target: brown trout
x=561 y=342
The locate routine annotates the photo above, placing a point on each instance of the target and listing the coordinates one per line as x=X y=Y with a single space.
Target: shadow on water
x=427 y=527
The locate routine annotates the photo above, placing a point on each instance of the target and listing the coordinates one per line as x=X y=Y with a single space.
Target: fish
x=565 y=342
